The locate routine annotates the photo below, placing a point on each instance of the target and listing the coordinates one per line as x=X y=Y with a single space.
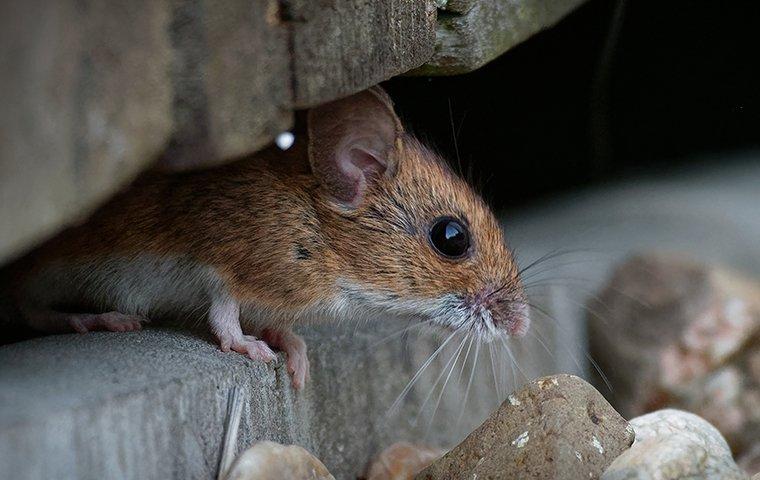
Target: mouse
x=355 y=222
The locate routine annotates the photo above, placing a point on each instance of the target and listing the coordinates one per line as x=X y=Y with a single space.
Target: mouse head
x=403 y=234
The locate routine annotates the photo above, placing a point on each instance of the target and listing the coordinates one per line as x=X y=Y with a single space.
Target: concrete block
x=152 y=404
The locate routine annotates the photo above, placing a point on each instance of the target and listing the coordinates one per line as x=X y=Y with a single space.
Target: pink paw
x=248 y=345
x=295 y=348
x=298 y=366
x=111 y=321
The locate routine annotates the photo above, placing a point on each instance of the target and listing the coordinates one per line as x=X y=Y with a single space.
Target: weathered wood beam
x=340 y=47
x=85 y=105
x=471 y=33
x=196 y=83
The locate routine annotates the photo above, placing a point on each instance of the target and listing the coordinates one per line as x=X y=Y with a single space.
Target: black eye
x=449 y=237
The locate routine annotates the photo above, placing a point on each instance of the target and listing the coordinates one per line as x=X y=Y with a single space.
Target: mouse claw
x=298 y=367
x=295 y=348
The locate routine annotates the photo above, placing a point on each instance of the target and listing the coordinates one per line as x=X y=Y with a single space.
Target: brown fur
x=279 y=240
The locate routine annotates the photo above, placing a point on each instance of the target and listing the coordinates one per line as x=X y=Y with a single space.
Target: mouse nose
x=512 y=316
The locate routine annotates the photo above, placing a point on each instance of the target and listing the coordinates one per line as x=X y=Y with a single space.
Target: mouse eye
x=449 y=237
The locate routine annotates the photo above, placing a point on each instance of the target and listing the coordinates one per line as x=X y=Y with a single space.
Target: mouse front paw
x=295 y=348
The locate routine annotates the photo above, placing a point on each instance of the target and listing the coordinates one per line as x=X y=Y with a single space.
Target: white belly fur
x=176 y=288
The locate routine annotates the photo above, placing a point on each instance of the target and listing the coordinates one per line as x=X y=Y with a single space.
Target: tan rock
x=272 y=461
x=672 y=444
x=402 y=461
x=554 y=427
x=673 y=332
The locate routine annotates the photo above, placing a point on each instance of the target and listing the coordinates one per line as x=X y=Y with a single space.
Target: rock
x=402 y=461
x=672 y=332
x=672 y=444
x=750 y=461
x=272 y=461
x=554 y=427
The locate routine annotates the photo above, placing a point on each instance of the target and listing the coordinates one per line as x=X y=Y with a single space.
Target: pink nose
x=512 y=316
x=518 y=320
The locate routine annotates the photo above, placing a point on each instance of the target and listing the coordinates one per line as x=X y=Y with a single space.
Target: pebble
x=675 y=445
x=272 y=461
x=402 y=461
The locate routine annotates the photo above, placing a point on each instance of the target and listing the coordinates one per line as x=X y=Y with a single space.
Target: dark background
x=618 y=87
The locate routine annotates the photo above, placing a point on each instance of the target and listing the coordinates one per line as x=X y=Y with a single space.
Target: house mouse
x=359 y=222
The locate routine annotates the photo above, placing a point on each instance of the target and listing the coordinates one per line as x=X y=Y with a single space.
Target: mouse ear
x=353 y=142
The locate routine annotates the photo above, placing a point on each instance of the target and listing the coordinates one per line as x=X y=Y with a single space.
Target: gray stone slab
x=85 y=107
x=152 y=404
x=343 y=46
x=471 y=33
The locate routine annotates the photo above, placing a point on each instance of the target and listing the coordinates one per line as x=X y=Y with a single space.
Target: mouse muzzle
x=494 y=312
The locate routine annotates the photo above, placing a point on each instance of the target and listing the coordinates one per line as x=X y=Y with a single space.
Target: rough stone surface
x=343 y=46
x=194 y=84
x=674 y=445
x=488 y=28
x=272 y=461
x=85 y=103
x=555 y=427
x=402 y=461
x=153 y=404
x=688 y=336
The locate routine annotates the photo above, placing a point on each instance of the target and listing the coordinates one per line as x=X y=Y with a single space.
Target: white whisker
x=416 y=376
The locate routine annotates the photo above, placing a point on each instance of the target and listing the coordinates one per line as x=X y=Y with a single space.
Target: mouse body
x=358 y=222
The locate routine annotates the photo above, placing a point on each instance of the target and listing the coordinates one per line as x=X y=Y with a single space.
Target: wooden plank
x=456 y=6
x=85 y=107
x=231 y=80
x=465 y=42
x=195 y=82
x=340 y=47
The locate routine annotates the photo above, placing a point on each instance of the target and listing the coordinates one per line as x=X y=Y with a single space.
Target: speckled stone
x=673 y=445
x=554 y=427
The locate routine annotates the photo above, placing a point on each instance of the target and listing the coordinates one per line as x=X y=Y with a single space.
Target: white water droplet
x=285 y=140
